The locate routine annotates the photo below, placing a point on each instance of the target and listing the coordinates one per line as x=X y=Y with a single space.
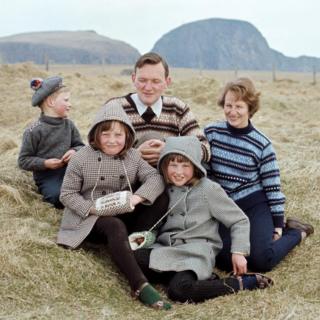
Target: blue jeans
x=265 y=253
x=49 y=185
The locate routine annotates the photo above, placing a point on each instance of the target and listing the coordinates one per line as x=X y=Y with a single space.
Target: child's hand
x=53 y=163
x=67 y=156
x=239 y=263
x=135 y=199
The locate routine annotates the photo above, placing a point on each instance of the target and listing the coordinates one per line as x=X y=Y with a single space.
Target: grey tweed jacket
x=89 y=167
x=189 y=240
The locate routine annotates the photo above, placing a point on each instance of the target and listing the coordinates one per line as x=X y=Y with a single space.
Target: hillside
x=223 y=44
x=82 y=47
x=42 y=281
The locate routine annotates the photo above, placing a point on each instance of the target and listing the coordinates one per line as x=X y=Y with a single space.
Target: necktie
x=148 y=115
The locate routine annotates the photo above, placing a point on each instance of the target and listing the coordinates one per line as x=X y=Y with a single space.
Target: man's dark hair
x=151 y=58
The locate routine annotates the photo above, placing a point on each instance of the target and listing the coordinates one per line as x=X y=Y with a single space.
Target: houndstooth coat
x=92 y=169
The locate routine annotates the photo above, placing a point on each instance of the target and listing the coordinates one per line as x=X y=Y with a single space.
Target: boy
x=49 y=142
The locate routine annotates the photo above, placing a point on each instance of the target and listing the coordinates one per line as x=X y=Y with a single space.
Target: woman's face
x=236 y=111
x=112 y=141
x=180 y=173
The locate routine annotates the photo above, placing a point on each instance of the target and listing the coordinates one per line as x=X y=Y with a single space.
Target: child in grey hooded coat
x=185 y=250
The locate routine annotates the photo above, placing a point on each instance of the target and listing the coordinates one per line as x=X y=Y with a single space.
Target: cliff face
x=225 y=44
x=66 y=47
x=220 y=44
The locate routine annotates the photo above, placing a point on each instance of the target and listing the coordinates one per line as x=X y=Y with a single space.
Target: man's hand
x=150 y=150
x=239 y=264
x=67 y=156
x=53 y=163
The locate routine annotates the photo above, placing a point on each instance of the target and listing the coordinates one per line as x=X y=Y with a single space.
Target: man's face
x=150 y=82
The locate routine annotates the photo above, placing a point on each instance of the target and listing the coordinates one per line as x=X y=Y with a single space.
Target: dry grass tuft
x=8 y=193
x=40 y=280
x=7 y=144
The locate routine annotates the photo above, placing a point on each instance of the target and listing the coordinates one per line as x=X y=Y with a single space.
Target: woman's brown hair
x=244 y=90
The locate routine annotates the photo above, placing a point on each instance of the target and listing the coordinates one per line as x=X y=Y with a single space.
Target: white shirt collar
x=141 y=107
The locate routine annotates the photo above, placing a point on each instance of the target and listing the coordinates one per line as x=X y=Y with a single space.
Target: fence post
x=274 y=78
x=314 y=82
x=46 y=62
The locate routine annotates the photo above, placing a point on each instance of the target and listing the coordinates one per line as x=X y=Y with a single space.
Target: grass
x=40 y=280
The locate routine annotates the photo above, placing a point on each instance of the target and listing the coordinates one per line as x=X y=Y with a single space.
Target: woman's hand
x=239 y=264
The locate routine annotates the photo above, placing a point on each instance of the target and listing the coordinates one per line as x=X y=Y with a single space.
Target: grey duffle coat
x=189 y=240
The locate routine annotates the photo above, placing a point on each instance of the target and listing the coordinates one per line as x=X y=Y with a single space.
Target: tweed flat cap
x=43 y=88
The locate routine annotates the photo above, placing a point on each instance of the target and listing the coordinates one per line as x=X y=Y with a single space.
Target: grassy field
x=39 y=280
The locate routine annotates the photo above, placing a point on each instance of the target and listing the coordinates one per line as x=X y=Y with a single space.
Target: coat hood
x=111 y=112
x=187 y=146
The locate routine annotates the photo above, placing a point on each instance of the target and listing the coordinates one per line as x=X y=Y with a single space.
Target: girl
x=107 y=165
x=185 y=250
x=244 y=163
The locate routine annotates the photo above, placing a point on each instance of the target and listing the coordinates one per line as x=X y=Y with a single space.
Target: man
x=154 y=116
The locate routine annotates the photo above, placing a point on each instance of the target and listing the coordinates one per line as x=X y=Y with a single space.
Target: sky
x=289 y=26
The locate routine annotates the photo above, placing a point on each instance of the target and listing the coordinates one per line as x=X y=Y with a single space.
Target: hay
x=40 y=280
x=8 y=193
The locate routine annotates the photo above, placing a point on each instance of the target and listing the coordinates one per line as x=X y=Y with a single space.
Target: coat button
x=101 y=178
x=183 y=214
x=103 y=193
x=99 y=159
x=121 y=176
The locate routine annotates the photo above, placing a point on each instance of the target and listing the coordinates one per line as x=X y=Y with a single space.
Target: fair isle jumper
x=175 y=119
x=244 y=163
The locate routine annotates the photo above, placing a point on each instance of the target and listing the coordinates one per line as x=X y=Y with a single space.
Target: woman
x=244 y=163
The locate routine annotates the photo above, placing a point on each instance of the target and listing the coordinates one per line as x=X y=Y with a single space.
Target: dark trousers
x=265 y=253
x=184 y=286
x=49 y=185
x=114 y=231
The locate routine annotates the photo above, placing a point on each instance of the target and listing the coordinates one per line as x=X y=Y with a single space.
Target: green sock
x=150 y=296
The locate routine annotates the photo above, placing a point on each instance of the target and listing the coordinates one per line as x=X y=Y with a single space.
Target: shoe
x=150 y=297
x=294 y=223
x=262 y=281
